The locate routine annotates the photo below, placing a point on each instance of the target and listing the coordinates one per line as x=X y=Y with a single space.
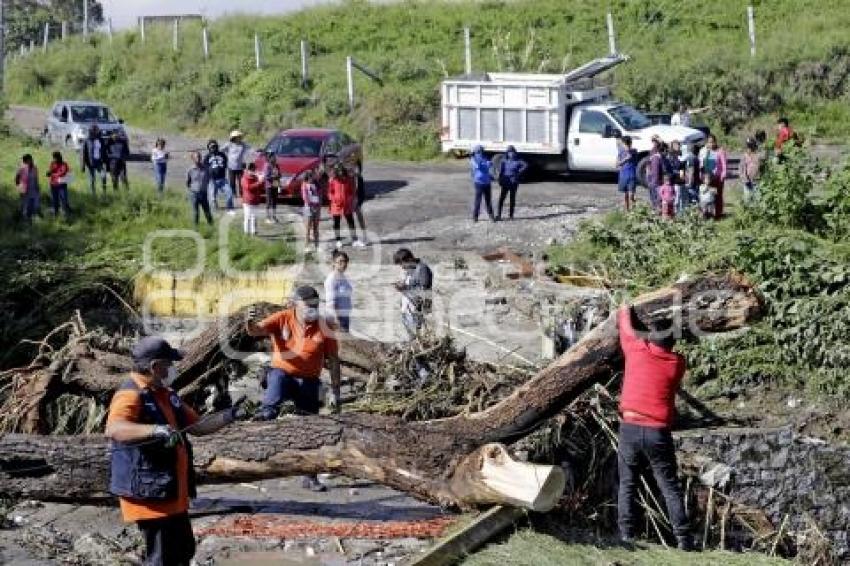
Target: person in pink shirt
x=667 y=196
x=311 y=194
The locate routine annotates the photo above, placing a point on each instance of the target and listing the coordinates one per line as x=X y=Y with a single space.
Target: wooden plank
x=457 y=546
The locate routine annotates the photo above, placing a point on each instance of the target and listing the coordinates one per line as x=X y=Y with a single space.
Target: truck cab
x=562 y=123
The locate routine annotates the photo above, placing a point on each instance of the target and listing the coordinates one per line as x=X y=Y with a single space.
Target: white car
x=69 y=122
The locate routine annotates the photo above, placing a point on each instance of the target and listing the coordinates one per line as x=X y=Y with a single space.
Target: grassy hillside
x=697 y=52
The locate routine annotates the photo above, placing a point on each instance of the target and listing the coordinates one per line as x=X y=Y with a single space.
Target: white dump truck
x=560 y=123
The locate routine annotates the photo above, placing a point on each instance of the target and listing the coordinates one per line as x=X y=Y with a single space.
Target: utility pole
x=467 y=43
x=751 y=23
x=176 y=39
x=257 y=50
x=206 y=41
x=305 y=76
x=612 y=39
x=85 y=19
x=2 y=44
x=46 y=35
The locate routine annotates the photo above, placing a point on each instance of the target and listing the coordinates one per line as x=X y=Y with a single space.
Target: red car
x=310 y=149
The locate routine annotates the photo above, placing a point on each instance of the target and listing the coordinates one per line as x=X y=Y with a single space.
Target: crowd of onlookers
x=698 y=178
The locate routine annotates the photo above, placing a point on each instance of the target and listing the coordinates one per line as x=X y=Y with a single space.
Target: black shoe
x=685 y=543
x=627 y=542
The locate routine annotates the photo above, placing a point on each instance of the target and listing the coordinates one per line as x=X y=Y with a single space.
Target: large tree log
x=453 y=461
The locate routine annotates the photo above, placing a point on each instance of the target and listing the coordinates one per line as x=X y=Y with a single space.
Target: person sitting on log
x=652 y=375
x=301 y=344
x=151 y=457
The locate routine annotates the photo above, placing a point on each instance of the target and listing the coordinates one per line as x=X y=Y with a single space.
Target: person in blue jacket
x=482 y=179
x=510 y=171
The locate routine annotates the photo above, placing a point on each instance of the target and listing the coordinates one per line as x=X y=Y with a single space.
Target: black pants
x=168 y=541
x=349 y=219
x=200 y=201
x=507 y=190
x=271 y=201
x=639 y=445
x=118 y=172
x=482 y=191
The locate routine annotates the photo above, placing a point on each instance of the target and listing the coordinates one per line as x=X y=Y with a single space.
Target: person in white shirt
x=684 y=115
x=159 y=157
x=339 y=291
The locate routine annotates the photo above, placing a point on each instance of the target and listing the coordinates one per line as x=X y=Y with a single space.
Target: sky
x=125 y=12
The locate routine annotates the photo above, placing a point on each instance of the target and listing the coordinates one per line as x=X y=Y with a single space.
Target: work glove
x=334 y=401
x=238 y=411
x=168 y=435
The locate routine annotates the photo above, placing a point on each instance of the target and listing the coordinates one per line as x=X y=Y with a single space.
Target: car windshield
x=629 y=118
x=296 y=146
x=92 y=115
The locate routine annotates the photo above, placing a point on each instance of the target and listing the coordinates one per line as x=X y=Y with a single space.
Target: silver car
x=69 y=122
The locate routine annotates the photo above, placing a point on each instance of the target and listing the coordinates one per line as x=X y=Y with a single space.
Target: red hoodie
x=341 y=196
x=651 y=378
x=253 y=189
x=57 y=171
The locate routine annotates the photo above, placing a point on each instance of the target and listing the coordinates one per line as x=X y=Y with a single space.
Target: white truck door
x=588 y=148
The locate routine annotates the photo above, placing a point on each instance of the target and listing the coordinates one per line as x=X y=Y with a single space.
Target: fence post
x=304 y=69
x=32 y=45
x=612 y=40
x=23 y=50
x=109 y=29
x=257 y=50
x=85 y=19
x=467 y=50
x=64 y=31
x=142 y=28
x=176 y=39
x=206 y=42
x=349 y=71
x=46 y=35
x=751 y=22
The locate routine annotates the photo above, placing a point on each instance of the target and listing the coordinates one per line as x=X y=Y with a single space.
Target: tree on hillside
x=25 y=19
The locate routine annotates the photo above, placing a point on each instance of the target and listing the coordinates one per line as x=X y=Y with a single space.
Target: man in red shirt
x=652 y=375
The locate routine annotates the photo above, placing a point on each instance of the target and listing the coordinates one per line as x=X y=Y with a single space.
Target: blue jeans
x=199 y=202
x=30 y=206
x=159 y=170
x=222 y=185
x=280 y=386
x=482 y=190
x=59 y=196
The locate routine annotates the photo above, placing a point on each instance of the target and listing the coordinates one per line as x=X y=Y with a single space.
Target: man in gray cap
x=151 y=470
x=302 y=342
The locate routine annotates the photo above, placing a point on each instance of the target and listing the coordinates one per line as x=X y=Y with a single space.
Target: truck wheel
x=643 y=166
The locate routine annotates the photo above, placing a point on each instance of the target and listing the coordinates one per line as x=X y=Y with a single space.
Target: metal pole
x=304 y=69
x=349 y=71
x=2 y=44
x=206 y=42
x=176 y=39
x=612 y=39
x=109 y=29
x=257 y=50
x=751 y=21
x=64 y=31
x=142 y=28
x=85 y=19
x=467 y=42
x=32 y=45
x=46 y=35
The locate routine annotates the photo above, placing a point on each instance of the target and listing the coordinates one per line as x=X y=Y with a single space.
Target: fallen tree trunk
x=454 y=461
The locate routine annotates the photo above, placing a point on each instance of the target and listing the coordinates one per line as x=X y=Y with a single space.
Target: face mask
x=171 y=377
x=311 y=314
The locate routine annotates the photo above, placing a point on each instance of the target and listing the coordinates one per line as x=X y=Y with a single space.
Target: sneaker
x=358 y=244
x=339 y=244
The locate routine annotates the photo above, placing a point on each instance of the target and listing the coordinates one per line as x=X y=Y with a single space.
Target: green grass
x=699 y=55
x=528 y=548
x=58 y=265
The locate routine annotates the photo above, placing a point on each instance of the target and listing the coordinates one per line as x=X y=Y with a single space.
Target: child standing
x=58 y=174
x=627 y=164
x=751 y=171
x=312 y=197
x=159 y=157
x=707 y=196
x=692 y=176
x=675 y=166
x=667 y=197
x=338 y=290
x=252 y=197
x=26 y=179
x=271 y=178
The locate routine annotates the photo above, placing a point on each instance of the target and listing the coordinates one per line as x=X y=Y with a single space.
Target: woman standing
x=510 y=172
x=159 y=157
x=482 y=180
x=26 y=179
x=341 y=196
x=712 y=160
x=58 y=174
